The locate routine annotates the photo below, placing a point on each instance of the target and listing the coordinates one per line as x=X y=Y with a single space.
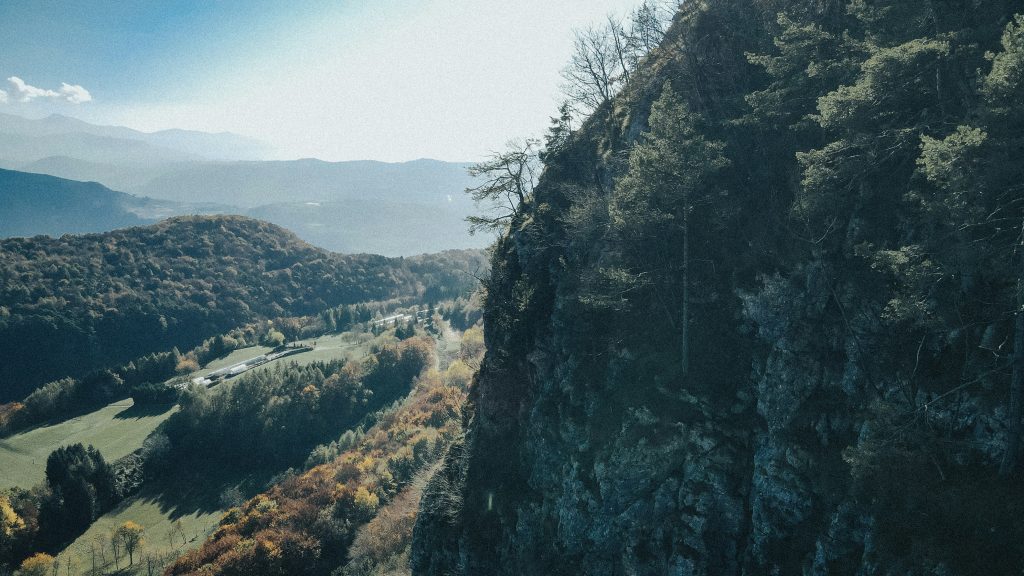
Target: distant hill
x=19 y=149
x=251 y=184
x=125 y=177
x=68 y=137
x=40 y=204
x=391 y=223
x=364 y=206
x=72 y=304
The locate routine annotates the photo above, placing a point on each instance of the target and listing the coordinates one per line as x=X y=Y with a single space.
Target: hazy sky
x=338 y=80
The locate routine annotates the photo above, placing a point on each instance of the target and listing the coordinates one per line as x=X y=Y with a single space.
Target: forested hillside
x=762 y=314
x=74 y=304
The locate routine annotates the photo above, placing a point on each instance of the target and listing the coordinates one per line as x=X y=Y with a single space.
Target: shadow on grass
x=75 y=412
x=137 y=411
x=198 y=490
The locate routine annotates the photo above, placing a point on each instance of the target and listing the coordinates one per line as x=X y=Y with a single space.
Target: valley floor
x=119 y=429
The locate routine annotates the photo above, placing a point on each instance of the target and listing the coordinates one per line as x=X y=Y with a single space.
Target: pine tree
x=652 y=209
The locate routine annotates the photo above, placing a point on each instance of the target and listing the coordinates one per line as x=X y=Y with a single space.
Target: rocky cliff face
x=811 y=433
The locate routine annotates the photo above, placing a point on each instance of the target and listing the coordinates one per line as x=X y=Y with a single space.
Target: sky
x=388 y=80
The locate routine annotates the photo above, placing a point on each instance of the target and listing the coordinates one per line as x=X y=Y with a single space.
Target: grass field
x=351 y=345
x=231 y=359
x=119 y=429
x=115 y=430
x=162 y=537
x=177 y=516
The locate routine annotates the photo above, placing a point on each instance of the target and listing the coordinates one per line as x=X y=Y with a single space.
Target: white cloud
x=3 y=97
x=74 y=93
x=22 y=92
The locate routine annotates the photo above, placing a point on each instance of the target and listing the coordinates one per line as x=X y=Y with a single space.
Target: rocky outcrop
x=794 y=445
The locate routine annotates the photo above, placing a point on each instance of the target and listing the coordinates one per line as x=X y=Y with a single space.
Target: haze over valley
x=359 y=206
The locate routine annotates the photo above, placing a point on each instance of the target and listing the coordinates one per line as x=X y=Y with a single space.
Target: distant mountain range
x=361 y=206
x=58 y=135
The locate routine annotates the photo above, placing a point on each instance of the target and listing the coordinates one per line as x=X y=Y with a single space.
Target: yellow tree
x=130 y=535
x=10 y=522
x=38 y=564
x=11 y=527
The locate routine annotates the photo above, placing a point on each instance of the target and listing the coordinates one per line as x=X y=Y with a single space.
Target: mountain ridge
x=212 y=146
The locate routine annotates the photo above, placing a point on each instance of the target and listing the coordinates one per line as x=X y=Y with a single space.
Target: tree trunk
x=1016 y=400
x=1016 y=409
x=685 y=352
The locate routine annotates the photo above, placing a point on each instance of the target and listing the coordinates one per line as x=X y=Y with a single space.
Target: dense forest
x=76 y=304
x=272 y=419
x=762 y=311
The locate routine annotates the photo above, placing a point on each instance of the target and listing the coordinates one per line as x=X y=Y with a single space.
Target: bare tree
x=605 y=56
x=101 y=548
x=624 y=57
x=508 y=181
x=593 y=70
x=115 y=546
x=178 y=528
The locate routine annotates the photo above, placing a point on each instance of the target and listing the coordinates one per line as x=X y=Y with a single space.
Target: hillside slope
x=762 y=313
x=352 y=512
x=77 y=303
x=36 y=203
x=39 y=204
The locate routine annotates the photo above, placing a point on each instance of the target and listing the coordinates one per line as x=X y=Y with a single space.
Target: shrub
x=39 y=564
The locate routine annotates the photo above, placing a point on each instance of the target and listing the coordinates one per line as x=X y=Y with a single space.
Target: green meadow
x=115 y=430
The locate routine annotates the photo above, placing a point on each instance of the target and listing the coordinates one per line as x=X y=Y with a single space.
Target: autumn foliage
x=307 y=523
